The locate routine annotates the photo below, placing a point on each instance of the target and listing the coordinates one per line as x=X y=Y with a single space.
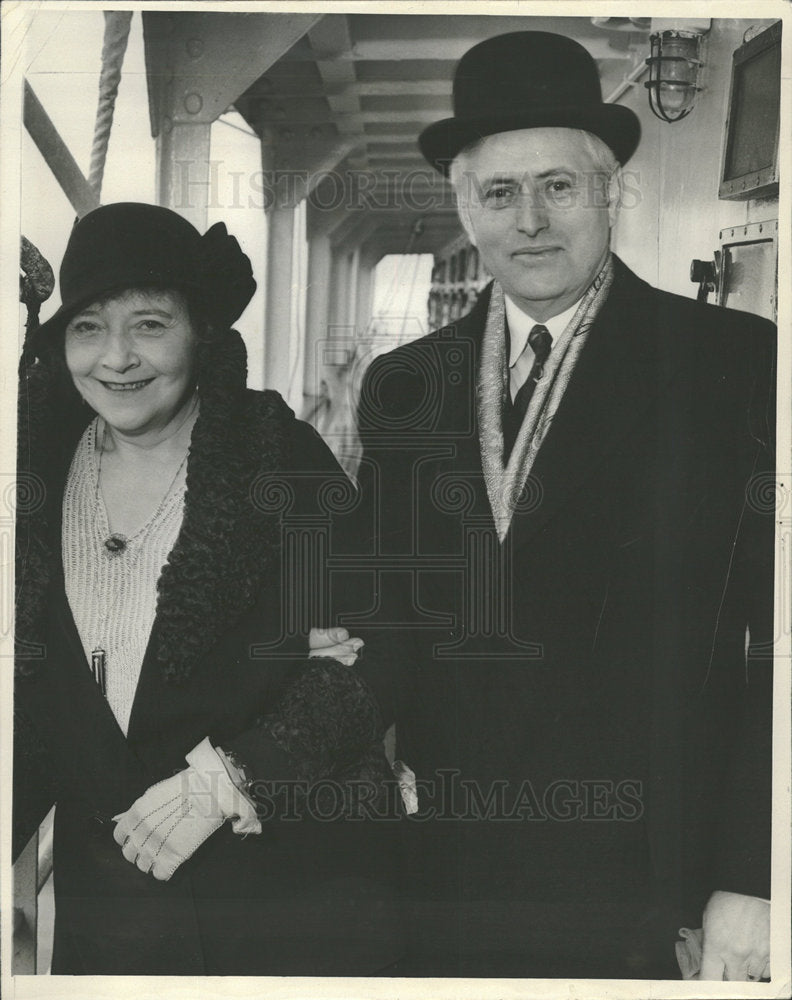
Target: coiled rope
x=116 y=35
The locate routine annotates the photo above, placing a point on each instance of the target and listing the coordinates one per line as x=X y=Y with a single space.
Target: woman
x=158 y=620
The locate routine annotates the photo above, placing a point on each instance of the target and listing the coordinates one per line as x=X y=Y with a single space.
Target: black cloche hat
x=527 y=79
x=135 y=245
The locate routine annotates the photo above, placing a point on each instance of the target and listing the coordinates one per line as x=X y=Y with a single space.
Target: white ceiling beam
x=390 y=49
x=389 y=88
x=396 y=154
x=406 y=139
x=311 y=159
x=346 y=123
x=328 y=214
x=355 y=231
x=330 y=42
x=369 y=88
x=198 y=64
x=314 y=109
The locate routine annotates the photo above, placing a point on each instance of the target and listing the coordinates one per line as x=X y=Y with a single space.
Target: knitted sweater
x=113 y=595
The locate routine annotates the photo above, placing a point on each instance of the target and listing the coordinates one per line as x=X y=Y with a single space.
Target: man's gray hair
x=602 y=155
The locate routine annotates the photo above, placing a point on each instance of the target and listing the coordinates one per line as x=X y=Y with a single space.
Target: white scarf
x=508 y=487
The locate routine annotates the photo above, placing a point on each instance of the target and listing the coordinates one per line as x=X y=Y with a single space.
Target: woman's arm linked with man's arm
x=328 y=724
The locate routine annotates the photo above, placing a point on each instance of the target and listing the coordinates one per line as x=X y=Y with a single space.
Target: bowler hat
x=527 y=79
x=134 y=245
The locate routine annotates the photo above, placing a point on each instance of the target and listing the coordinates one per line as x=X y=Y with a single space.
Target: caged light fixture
x=674 y=67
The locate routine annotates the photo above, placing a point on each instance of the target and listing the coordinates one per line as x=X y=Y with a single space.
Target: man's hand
x=334 y=642
x=736 y=938
x=171 y=820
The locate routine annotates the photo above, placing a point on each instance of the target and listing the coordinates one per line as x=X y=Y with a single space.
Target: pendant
x=99 y=668
x=116 y=543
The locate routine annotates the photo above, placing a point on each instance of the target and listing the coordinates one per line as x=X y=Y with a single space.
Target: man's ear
x=615 y=182
x=464 y=216
x=463 y=184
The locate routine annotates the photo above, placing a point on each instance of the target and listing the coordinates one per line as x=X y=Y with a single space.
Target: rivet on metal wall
x=193 y=103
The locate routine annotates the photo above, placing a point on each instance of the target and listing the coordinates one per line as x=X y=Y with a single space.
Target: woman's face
x=132 y=358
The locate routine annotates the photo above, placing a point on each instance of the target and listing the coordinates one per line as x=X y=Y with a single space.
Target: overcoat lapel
x=459 y=411
x=611 y=395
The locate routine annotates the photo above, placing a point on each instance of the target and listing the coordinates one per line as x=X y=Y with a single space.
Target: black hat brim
x=127 y=245
x=56 y=324
x=617 y=126
x=228 y=307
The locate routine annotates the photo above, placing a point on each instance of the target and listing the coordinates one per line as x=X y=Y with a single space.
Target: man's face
x=539 y=209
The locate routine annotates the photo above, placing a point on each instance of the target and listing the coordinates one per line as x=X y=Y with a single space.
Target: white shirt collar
x=521 y=324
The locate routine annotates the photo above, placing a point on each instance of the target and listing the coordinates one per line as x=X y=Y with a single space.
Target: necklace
x=116 y=542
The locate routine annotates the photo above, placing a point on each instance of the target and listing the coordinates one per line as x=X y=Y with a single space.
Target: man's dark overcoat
x=590 y=742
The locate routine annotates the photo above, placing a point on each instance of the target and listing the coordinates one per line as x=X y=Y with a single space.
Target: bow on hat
x=225 y=266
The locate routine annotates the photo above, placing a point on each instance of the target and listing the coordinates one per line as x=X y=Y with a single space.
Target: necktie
x=540 y=342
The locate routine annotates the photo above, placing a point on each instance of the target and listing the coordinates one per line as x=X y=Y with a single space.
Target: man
x=578 y=587
x=561 y=511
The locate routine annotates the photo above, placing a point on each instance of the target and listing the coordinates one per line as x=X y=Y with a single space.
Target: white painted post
x=317 y=310
x=23 y=959
x=278 y=319
x=184 y=181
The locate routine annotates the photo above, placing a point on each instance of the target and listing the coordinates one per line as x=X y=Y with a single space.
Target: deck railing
x=33 y=867
x=32 y=870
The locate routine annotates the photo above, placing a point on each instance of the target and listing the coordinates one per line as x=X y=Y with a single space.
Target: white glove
x=334 y=642
x=171 y=820
x=736 y=943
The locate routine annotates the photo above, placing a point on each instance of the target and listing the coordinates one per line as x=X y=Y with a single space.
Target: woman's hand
x=170 y=821
x=334 y=642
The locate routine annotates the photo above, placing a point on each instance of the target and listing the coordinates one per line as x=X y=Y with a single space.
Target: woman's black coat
x=240 y=590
